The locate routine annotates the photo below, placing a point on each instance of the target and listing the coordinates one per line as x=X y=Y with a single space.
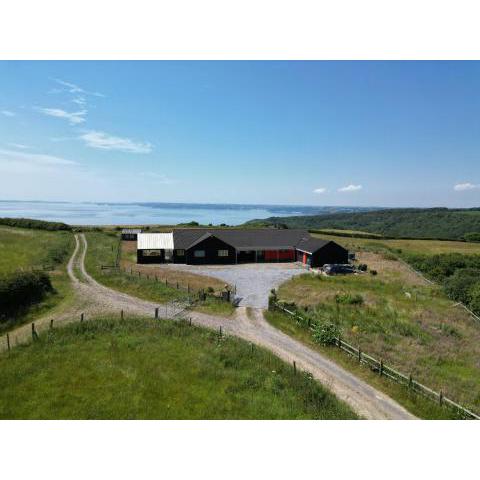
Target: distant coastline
x=136 y=213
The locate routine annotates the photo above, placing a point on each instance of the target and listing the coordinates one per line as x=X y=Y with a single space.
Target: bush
x=458 y=286
x=325 y=333
x=20 y=290
x=363 y=267
x=472 y=237
x=373 y=272
x=349 y=299
x=474 y=298
x=31 y=223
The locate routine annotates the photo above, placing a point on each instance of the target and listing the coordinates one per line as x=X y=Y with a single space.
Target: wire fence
x=389 y=372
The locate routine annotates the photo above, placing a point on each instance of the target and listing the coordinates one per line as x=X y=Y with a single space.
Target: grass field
x=428 y=247
x=140 y=369
x=25 y=249
x=410 y=325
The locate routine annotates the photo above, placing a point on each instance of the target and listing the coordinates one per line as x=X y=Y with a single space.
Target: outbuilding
x=130 y=233
x=316 y=252
x=155 y=247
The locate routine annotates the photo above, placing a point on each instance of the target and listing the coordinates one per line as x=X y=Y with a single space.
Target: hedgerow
x=32 y=223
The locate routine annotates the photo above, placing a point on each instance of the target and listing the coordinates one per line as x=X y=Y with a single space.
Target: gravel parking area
x=253 y=280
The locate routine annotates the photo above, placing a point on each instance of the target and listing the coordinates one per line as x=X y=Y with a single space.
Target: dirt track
x=93 y=298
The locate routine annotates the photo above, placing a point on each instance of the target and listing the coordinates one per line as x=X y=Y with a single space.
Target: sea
x=152 y=213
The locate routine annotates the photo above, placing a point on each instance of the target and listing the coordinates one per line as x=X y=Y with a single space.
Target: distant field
x=429 y=247
x=141 y=369
x=412 y=326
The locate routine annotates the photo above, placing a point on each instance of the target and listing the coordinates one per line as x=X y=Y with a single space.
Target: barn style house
x=199 y=246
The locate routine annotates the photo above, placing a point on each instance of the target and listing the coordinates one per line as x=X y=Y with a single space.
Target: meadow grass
x=411 y=327
x=26 y=249
x=144 y=369
x=414 y=403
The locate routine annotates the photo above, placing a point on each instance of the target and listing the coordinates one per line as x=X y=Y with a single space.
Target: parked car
x=338 y=268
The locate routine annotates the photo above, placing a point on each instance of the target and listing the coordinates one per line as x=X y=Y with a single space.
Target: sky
x=393 y=134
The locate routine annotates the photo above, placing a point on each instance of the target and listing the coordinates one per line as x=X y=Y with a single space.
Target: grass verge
x=141 y=369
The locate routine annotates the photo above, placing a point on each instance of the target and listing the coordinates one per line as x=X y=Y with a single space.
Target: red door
x=304 y=258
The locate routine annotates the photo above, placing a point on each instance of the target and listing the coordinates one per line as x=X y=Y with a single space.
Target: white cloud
x=350 y=188
x=320 y=190
x=8 y=113
x=75 y=89
x=31 y=164
x=18 y=145
x=104 y=141
x=74 y=118
x=462 y=187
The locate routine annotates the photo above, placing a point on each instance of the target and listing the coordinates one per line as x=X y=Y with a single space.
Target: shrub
x=349 y=299
x=474 y=298
x=458 y=286
x=20 y=290
x=31 y=223
x=373 y=272
x=325 y=333
x=210 y=290
x=363 y=267
x=472 y=237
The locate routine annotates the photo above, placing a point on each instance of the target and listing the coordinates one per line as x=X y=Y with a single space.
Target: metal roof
x=245 y=238
x=155 y=241
x=311 y=244
x=132 y=230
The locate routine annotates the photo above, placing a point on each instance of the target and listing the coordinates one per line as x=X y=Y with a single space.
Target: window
x=223 y=253
x=181 y=253
x=199 y=253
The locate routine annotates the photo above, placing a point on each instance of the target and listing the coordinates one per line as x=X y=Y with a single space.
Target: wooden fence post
x=220 y=330
x=410 y=381
x=81 y=317
x=190 y=321
x=188 y=288
x=359 y=355
x=8 y=342
x=294 y=368
x=51 y=324
x=121 y=314
x=34 y=333
x=177 y=285
x=440 y=398
x=251 y=347
x=156 y=312
x=381 y=367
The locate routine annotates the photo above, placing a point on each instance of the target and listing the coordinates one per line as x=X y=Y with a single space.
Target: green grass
x=427 y=247
x=141 y=369
x=25 y=249
x=419 y=333
x=414 y=403
x=214 y=306
x=102 y=251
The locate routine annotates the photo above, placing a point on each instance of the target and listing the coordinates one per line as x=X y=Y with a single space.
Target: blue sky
x=310 y=133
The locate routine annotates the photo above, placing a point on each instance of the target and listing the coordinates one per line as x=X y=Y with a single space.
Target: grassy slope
x=26 y=248
x=420 y=334
x=418 y=223
x=138 y=369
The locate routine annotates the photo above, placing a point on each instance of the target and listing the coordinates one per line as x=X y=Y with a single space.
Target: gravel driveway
x=253 y=281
